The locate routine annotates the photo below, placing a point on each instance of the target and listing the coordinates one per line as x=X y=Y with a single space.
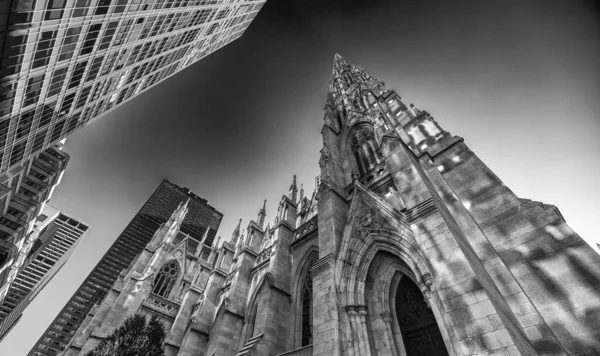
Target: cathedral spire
x=181 y=211
x=293 y=193
x=262 y=213
x=204 y=237
x=167 y=231
x=236 y=233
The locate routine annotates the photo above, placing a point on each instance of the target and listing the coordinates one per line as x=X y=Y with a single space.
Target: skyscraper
x=57 y=239
x=65 y=63
x=24 y=191
x=156 y=211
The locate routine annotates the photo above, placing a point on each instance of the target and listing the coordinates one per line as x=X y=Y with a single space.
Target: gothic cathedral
x=409 y=246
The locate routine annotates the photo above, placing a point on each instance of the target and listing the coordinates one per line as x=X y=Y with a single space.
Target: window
x=25 y=124
x=55 y=9
x=120 y=7
x=94 y=69
x=165 y=279
x=90 y=38
x=38 y=142
x=34 y=87
x=81 y=8
x=58 y=78
x=69 y=43
x=83 y=97
x=17 y=152
x=66 y=104
x=306 y=326
x=365 y=152
x=108 y=34
x=102 y=8
x=57 y=131
x=47 y=114
x=43 y=49
x=77 y=74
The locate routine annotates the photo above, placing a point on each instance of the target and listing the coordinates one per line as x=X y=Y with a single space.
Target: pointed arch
x=302 y=299
x=361 y=148
x=165 y=279
x=362 y=289
x=252 y=308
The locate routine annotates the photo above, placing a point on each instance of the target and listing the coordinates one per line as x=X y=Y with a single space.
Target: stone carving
x=264 y=255
x=367 y=220
x=305 y=229
x=164 y=305
x=229 y=278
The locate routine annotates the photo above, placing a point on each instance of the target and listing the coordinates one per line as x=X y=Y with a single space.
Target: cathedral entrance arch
x=399 y=318
x=421 y=335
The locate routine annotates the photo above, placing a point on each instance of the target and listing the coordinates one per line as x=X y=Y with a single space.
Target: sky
x=518 y=80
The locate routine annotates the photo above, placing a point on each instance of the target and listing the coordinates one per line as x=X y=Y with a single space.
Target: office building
x=130 y=243
x=66 y=62
x=57 y=237
x=24 y=191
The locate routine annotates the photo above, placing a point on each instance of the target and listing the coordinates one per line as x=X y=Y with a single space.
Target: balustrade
x=303 y=351
x=165 y=305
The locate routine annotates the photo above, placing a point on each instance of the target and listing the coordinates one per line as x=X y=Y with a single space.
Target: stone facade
x=409 y=245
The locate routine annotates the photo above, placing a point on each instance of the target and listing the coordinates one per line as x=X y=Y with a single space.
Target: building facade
x=58 y=235
x=24 y=192
x=410 y=245
x=66 y=62
x=201 y=219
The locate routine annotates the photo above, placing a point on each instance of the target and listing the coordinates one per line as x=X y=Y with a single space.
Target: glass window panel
x=34 y=87
x=58 y=78
x=77 y=74
x=108 y=34
x=81 y=8
x=54 y=10
x=43 y=49
x=69 y=43
x=102 y=8
x=90 y=38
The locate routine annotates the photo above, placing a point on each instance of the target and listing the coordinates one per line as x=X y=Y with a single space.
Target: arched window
x=165 y=279
x=307 y=312
x=365 y=152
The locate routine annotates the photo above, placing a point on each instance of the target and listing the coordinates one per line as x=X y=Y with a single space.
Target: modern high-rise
x=130 y=243
x=66 y=62
x=57 y=238
x=24 y=191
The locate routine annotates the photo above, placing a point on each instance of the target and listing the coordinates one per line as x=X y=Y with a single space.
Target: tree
x=134 y=337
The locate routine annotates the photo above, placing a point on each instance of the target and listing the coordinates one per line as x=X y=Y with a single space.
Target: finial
x=293 y=190
x=415 y=110
x=205 y=236
x=236 y=233
x=262 y=213
x=216 y=243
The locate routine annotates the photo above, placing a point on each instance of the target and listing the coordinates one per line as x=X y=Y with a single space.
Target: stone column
x=355 y=334
x=362 y=319
x=389 y=334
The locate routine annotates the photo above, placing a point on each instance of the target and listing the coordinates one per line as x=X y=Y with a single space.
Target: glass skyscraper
x=24 y=192
x=124 y=250
x=66 y=62
x=56 y=238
